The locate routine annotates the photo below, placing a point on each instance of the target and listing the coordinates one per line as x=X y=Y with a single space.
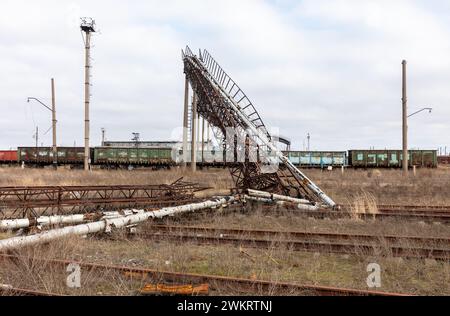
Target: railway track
x=242 y=285
x=418 y=216
x=432 y=248
x=413 y=209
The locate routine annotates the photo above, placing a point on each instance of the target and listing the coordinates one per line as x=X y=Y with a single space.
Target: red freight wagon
x=8 y=155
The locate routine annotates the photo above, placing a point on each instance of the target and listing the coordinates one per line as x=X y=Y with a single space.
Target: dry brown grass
x=362 y=203
x=429 y=187
x=218 y=179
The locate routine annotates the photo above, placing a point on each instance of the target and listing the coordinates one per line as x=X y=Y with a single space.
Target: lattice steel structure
x=22 y=202
x=222 y=103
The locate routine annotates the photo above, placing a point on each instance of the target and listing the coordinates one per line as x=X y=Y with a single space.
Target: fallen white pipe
x=107 y=224
x=303 y=207
x=41 y=221
x=271 y=196
x=13 y=224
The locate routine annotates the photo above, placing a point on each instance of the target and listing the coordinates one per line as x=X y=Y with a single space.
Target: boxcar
x=132 y=156
x=213 y=157
x=44 y=155
x=444 y=160
x=391 y=158
x=8 y=156
x=317 y=159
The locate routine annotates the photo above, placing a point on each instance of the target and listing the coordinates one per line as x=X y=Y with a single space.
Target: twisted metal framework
x=224 y=105
x=23 y=202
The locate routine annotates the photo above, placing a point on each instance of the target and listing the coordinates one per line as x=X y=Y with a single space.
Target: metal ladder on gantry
x=222 y=103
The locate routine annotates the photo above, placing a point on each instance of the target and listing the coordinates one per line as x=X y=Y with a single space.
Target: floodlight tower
x=87 y=27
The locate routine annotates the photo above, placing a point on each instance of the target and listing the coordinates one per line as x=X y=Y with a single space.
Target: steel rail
x=216 y=281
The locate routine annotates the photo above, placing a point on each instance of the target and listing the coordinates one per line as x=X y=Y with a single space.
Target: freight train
x=161 y=157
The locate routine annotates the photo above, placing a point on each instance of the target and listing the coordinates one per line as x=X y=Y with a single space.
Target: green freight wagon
x=391 y=158
x=44 y=155
x=317 y=159
x=133 y=156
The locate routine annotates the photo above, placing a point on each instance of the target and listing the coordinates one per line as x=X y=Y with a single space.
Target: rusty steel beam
x=57 y=200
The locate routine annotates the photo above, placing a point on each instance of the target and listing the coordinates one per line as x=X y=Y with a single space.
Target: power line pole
x=55 y=150
x=103 y=137
x=194 y=134
x=309 y=142
x=404 y=120
x=185 y=122
x=36 y=137
x=88 y=27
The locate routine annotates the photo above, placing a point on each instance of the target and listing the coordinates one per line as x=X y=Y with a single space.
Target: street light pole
x=54 y=121
x=405 y=120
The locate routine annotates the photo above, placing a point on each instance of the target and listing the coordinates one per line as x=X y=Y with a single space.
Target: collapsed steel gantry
x=17 y=202
x=222 y=103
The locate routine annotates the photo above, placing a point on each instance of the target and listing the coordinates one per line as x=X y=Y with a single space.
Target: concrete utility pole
x=309 y=142
x=36 y=137
x=55 y=150
x=194 y=134
x=103 y=137
x=185 y=122
x=88 y=27
x=208 y=147
x=405 y=119
x=203 y=141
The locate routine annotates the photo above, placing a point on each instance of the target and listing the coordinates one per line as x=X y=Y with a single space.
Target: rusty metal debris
x=23 y=202
x=166 y=289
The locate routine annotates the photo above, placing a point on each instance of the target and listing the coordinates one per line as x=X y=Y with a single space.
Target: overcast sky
x=329 y=68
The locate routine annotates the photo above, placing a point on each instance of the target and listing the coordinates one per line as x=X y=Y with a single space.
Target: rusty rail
x=6 y=291
x=216 y=282
x=57 y=200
